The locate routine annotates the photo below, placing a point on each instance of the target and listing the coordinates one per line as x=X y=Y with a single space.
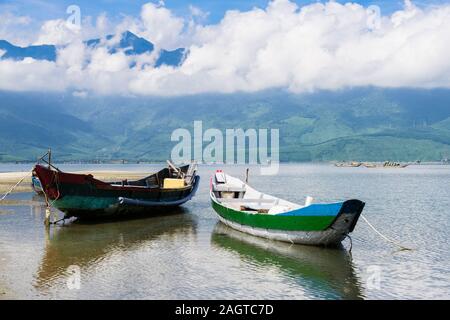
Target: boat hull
x=82 y=196
x=107 y=203
x=323 y=229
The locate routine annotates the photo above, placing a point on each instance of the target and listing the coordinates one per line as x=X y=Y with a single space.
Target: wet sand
x=9 y=179
x=5 y=293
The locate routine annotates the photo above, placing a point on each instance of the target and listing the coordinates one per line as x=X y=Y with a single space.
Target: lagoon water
x=188 y=254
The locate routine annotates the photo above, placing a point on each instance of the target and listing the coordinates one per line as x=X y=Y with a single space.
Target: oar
x=178 y=171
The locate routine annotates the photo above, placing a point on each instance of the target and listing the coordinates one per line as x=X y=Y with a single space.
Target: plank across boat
x=243 y=208
x=83 y=196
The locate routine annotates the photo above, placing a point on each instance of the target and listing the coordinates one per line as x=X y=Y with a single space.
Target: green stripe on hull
x=264 y=221
x=84 y=203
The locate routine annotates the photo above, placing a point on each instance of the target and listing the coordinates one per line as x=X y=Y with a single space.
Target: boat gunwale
x=281 y=214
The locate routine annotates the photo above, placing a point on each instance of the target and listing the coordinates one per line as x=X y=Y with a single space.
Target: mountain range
x=130 y=43
x=366 y=124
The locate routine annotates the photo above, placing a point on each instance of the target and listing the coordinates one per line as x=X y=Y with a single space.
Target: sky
x=47 y=9
x=233 y=45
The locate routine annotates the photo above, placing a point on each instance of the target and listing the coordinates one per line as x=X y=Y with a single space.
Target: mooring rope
x=50 y=203
x=15 y=186
x=351 y=243
x=383 y=236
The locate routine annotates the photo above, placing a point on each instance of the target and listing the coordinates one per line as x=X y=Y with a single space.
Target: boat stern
x=348 y=216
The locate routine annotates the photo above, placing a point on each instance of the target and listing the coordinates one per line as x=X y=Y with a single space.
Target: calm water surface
x=190 y=255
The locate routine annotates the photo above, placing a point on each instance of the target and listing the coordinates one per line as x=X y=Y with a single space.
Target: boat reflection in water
x=323 y=273
x=89 y=245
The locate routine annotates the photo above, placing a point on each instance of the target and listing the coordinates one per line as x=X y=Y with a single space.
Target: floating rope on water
x=383 y=236
x=351 y=243
x=15 y=186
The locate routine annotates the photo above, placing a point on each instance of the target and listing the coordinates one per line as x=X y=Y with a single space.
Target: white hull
x=331 y=236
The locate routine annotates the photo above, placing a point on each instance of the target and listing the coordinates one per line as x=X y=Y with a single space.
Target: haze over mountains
x=370 y=124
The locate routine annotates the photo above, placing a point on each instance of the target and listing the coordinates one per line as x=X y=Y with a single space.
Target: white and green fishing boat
x=243 y=208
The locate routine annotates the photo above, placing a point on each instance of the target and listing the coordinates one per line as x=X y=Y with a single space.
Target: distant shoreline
x=10 y=178
x=127 y=161
x=436 y=162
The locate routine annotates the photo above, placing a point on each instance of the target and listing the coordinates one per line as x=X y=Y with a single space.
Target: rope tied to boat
x=15 y=186
x=385 y=237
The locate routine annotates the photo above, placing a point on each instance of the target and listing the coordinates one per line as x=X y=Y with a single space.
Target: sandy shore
x=5 y=292
x=9 y=179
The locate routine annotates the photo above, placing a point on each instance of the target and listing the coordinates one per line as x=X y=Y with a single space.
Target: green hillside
x=362 y=124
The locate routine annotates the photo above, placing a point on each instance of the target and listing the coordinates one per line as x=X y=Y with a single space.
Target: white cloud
x=73 y=58
x=161 y=26
x=13 y=28
x=31 y=75
x=103 y=61
x=57 y=32
x=102 y=24
x=197 y=13
x=318 y=46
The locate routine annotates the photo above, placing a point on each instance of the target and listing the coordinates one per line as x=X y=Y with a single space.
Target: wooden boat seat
x=220 y=188
x=247 y=201
x=133 y=186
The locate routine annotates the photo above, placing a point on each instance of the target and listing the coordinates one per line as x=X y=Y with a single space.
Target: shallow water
x=189 y=255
